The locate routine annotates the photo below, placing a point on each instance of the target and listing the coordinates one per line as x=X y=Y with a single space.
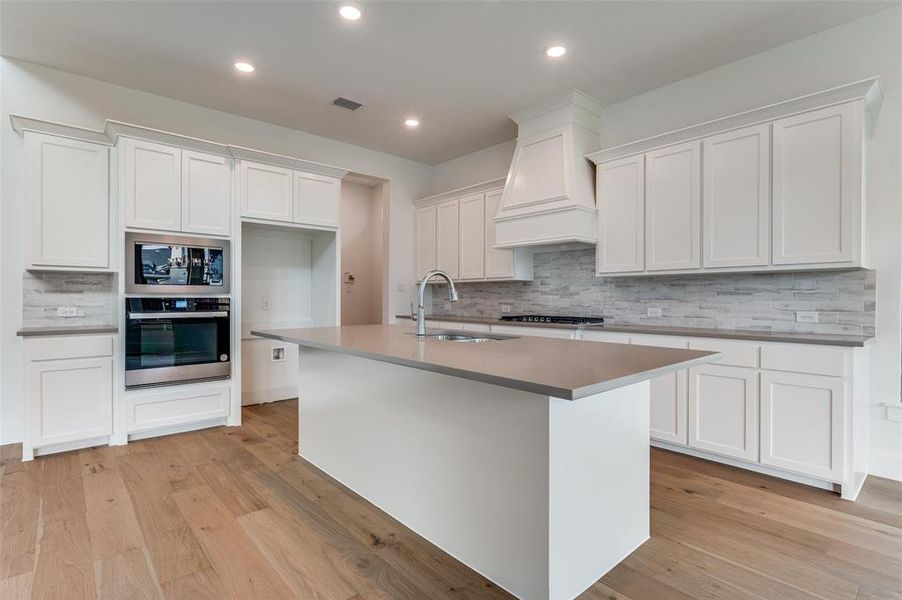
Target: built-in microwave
x=176 y=340
x=170 y=264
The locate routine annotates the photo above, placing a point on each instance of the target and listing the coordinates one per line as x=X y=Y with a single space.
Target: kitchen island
x=525 y=458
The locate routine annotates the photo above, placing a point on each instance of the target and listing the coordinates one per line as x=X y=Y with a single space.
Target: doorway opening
x=363 y=245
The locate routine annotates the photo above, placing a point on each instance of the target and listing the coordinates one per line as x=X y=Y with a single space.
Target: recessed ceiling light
x=411 y=122
x=555 y=51
x=244 y=67
x=350 y=12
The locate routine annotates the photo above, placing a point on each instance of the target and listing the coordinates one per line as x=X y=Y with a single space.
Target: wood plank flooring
x=235 y=513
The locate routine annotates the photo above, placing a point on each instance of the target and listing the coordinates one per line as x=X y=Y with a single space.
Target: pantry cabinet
x=69 y=214
x=673 y=207
x=172 y=189
x=472 y=237
x=68 y=392
x=723 y=410
x=736 y=198
x=817 y=158
x=447 y=237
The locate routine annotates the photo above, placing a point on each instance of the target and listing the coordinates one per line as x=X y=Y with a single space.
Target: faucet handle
x=413 y=312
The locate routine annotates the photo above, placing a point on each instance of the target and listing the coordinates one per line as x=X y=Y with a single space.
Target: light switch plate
x=66 y=311
x=654 y=312
x=806 y=316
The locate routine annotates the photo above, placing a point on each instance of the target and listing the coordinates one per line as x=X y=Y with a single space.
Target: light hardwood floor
x=234 y=513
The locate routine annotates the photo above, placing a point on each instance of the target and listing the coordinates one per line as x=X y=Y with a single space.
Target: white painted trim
x=572 y=97
x=289 y=162
x=591 y=211
x=483 y=186
x=45 y=449
x=150 y=433
x=21 y=124
x=117 y=129
x=870 y=91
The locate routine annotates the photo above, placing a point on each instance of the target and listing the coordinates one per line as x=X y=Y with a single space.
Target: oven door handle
x=178 y=315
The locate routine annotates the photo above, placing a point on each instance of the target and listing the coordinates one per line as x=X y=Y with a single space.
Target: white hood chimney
x=549 y=197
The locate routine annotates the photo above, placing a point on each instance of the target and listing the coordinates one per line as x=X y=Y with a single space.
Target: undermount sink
x=459 y=336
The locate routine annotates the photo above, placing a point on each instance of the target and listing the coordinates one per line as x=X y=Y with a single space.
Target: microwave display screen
x=166 y=264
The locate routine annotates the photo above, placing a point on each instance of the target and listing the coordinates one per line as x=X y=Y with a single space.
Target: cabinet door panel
x=817 y=186
x=425 y=240
x=736 y=198
x=316 y=199
x=672 y=207
x=669 y=395
x=621 y=215
x=266 y=192
x=499 y=264
x=206 y=193
x=472 y=237
x=152 y=185
x=70 y=399
x=69 y=208
x=801 y=423
x=447 y=237
x=723 y=410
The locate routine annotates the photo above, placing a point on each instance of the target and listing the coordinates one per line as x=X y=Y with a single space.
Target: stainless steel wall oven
x=169 y=264
x=176 y=340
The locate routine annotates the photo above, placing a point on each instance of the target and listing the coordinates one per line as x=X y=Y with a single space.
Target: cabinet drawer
x=69 y=346
x=798 y=359
x=735 y=354
x=164 y=409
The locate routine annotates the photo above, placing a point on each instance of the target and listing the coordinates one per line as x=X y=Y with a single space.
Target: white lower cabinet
x=801 y=423
x=68 y=391
x=534 y=331
x=723 y=410
x=668 y=416
x=176 y=408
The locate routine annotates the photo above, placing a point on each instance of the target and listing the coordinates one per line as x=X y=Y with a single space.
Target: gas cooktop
x=553 y=319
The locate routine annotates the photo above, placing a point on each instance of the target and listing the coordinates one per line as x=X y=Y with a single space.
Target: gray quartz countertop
x=752 y=335
x=568 y=369
x=66 y=330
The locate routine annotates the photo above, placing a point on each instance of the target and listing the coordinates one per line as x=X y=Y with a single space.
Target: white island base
x=540 y=495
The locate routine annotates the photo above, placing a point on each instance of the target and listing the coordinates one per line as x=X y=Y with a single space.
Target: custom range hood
x=549 y=197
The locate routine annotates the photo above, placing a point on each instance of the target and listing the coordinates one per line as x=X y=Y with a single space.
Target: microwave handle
x=177 y=315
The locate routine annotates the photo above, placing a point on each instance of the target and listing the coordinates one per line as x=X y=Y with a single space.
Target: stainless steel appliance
x=553 y=319
x=175 y=340
x=170 y=264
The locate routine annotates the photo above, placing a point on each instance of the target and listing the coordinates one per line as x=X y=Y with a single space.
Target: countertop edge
x=66 y=330
x=780 y=337
x=517 y=384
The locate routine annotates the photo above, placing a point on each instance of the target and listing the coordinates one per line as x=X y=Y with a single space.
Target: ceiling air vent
x=347 y=104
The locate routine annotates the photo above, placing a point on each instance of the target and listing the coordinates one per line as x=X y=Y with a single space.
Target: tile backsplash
x=92 y=294
x=565 y=283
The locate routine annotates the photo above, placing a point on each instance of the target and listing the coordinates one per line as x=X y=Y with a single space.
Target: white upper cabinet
x=425 y=240
x=499 y=264
x=672 y=207
x=817 y=170
x=316 y=199
x=69 y=212
x=472 y=236
x=266 y=191
x=206 y=194
x=172 y=189
x=447 y=237
x=621 y=215
x=151 y=180
x=736 y=198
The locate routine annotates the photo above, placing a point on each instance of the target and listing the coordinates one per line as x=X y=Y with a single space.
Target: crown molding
x=483 y=186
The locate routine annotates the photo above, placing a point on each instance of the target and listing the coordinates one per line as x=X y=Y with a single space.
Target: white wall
x=361 y=252
x=50 y=94
x=851 y=52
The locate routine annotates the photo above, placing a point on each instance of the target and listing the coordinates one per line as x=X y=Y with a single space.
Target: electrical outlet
x=506 y=308
x=401 y=289
x=654 y=312
x=806 y=316
x=265 y=303
x=278 y=354
x=66 y=311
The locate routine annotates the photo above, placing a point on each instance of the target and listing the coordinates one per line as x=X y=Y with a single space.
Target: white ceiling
x=460 y=67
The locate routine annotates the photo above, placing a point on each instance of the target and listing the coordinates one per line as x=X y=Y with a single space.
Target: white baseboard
x=171 y=429
x=885 y=465
x=271 y=395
